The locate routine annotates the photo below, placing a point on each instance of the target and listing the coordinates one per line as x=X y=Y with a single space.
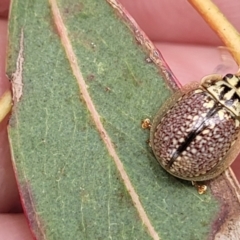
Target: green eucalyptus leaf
x=72 y=148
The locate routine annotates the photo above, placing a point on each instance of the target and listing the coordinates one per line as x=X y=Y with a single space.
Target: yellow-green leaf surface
x=84 y=86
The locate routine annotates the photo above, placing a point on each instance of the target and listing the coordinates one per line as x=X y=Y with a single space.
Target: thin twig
x=219 y=23
x=5 y=104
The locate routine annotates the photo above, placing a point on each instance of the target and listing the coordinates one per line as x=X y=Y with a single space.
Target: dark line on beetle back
x=229 y=76
x=191 y=136
x=235 y=97
x=225 y=90
x=238 y=84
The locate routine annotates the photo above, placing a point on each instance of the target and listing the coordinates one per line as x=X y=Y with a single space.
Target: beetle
x=195 y=135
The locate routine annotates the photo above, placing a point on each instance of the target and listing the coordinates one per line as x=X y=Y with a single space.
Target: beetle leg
x=146 y=123
x=200 y=188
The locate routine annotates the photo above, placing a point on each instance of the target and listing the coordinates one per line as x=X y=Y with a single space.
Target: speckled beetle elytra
x=195 y=136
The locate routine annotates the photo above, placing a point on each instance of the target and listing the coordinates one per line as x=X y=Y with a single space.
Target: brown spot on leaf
x=73 y=9
x=148 y=60
x=107 y=89
x=226 y=222
x=90 y=77
x=36 y=224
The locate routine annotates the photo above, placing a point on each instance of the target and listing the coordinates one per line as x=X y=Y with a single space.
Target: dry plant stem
x=5 y=104
x=218 y=22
